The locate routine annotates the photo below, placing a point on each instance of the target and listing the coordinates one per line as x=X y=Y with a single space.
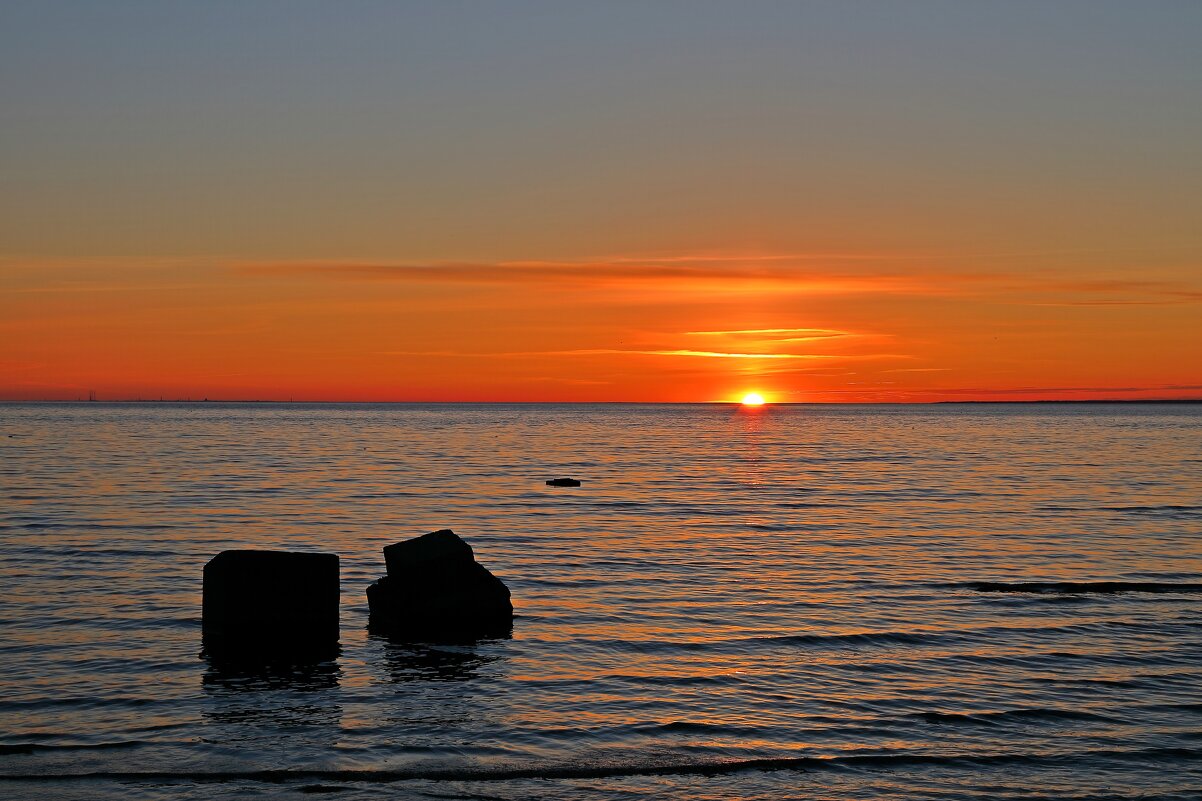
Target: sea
x=790 y=602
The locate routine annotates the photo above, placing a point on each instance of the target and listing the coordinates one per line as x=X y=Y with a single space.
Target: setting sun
x=753 y=399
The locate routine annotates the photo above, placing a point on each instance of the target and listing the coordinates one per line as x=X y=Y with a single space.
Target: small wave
x=1078 y=587
x=1187 y=707
x=691 y=726
x=869 y=639
x=994 y=718
x=469 y=774
x=77 y=702
x=30 y=748
x=88 y=525
x=866 y=638
x=706 y=729
x=1170 y=509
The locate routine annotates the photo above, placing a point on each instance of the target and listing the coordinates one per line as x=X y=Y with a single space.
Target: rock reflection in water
x=446 y=694
x=410 y=662
x=260 y=701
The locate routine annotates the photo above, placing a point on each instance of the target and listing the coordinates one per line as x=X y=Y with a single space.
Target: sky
x=845 y=201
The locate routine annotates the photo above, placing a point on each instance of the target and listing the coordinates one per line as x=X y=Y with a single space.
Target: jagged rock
x=443 y=547
x=270 y=603
x=436 y=589
x=563 y=482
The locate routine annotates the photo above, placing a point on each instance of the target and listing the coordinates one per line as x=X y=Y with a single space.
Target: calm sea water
x=735 y=604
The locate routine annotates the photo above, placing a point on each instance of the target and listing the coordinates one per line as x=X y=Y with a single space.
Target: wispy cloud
x=82 y=287
x=1161 y=302
x=757 y=274
x=768 y=338
x=745 y=258
x=1134 y=292
x=1123 y=285
x=606 y=352
x=808 y=333
x=709 y=354
x=575 y=382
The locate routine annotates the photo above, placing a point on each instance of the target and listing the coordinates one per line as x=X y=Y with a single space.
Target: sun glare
x=753 y=399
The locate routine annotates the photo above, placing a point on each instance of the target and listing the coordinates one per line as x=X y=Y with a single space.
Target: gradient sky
x=659 y=201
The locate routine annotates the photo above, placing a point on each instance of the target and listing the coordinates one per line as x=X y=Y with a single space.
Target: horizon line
x=295 y=402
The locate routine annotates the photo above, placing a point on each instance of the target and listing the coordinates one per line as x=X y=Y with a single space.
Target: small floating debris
x=563 y=482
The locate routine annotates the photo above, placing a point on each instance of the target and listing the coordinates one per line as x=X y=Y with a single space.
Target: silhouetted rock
x=271 y=605
x=563 y=482
x=437 y=547
x=435 y=589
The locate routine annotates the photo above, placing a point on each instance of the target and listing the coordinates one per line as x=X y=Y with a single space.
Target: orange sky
x=575 y=201
x=822 y=327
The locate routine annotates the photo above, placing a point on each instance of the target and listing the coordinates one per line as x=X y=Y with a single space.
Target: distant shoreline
x=1102 y=401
